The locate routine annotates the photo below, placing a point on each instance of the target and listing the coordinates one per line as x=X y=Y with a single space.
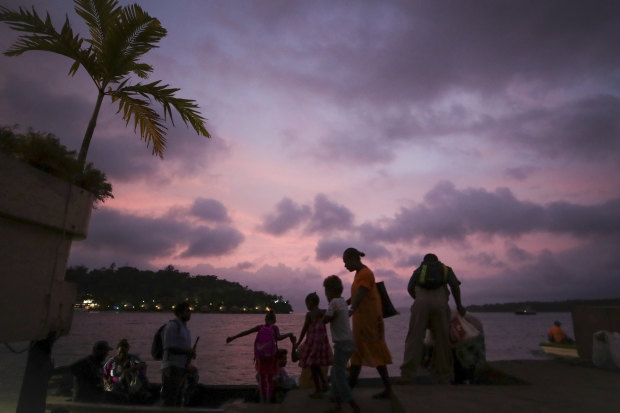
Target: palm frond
x=165 y=95
x=135 y=34
x=152 y=130
x=100 y=16
x=41 y=34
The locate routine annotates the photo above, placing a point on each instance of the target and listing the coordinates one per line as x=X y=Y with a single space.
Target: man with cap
x=178 y=351
x=88 y=374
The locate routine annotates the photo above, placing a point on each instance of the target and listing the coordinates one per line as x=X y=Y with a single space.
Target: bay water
x=508 y=337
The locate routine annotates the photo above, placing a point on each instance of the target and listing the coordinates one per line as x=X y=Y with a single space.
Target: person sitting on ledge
x=557 y=335
x=88 y=374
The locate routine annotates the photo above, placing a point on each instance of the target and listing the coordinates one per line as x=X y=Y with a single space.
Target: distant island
x=131 y=289
x=542 y=306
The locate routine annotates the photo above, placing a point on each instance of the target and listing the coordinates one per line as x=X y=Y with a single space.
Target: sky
x=486 y=132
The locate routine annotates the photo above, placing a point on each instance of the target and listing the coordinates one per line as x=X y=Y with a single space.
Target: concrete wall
x=40 y=215
x=587 y=320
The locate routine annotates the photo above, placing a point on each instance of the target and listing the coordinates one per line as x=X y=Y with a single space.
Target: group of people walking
x=357 y=333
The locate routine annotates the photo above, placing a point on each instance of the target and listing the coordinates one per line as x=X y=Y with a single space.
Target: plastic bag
x=461 y=329
x=606 y=350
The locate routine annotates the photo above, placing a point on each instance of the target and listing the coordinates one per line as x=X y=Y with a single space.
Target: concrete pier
x=527 y=386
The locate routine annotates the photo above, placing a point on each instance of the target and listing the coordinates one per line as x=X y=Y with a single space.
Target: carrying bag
x=387 y=307
x=157 y=345
x=461 y=329
x=265 y=344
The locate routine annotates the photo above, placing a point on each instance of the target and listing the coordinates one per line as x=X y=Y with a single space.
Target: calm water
x=508 y=337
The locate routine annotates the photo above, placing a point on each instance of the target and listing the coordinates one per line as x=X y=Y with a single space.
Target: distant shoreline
x=543 y=306
x=138 y=310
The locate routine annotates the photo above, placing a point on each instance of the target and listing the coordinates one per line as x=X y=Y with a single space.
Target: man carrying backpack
x=428 y=287
x=177 y=346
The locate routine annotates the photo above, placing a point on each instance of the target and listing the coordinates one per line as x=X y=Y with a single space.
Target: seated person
x=124 y=376
x=282 y=381
x=557 y=335
x=88 y=374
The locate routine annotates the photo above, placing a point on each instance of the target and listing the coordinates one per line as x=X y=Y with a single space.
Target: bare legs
x=354 y=373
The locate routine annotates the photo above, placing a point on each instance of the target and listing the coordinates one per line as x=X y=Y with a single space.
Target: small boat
x=525 y=311
x=560 y=350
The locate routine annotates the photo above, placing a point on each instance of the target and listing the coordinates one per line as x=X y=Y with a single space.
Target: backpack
x=265 y=344
x=433 y=276
x=157 y=345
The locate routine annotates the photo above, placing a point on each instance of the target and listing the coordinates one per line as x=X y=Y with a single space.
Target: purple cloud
x=329 y=216
x=288 y=215
x=209 y=210
x=209 y=242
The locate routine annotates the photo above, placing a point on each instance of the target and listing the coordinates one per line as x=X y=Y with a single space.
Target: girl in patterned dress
x=315 y=353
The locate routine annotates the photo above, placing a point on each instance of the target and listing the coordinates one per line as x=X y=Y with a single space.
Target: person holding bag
x=428 y=287
x=367 y=321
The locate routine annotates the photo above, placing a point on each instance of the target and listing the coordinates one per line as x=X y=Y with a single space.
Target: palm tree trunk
x=90 y=130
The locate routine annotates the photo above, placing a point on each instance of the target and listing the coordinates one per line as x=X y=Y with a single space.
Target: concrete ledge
x=59 y=404
x=33 y=196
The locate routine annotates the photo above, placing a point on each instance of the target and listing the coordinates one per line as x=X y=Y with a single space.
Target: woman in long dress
x=367 y=322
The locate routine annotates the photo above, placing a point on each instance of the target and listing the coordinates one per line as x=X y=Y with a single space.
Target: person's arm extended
x=327 y=318
x=283 y=336
x=243 y=333
x=359 y=296
x=304 y=328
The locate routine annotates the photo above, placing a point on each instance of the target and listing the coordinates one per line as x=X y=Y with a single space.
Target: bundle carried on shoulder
x=432 y=275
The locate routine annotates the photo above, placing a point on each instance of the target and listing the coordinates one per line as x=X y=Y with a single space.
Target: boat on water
x=560 y=350
x=525 y=311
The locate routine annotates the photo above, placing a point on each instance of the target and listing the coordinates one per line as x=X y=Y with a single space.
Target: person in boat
x=557 y=335
x=124 y=375
x=88 y=374
x=176 y=370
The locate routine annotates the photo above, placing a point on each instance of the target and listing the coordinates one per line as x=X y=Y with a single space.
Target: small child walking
x=315 y=353
x=266 y=353
x=337 y=315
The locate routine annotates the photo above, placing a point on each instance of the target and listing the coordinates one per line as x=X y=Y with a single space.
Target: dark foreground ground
x=557 y=385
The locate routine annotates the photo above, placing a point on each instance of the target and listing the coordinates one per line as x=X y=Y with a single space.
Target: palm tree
x=119 y=38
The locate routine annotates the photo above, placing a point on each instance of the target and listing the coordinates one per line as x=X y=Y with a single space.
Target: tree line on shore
x=542 y=306
x=131 y=289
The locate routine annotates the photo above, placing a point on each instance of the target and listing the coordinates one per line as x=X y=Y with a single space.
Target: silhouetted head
x=557 y=323
x=428 y=258
x=122 y=348
x=270 y=317
x=312 y=301
x=352 y=259
x=282 y=355
x=333 y=287
x=101 y=350
x=182 y=311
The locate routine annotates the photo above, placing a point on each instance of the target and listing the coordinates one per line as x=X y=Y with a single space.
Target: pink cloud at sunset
x=487 y=132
